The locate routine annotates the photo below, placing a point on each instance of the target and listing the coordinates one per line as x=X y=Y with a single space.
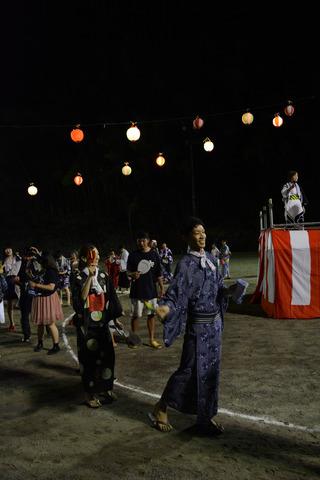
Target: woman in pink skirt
x=46 y=308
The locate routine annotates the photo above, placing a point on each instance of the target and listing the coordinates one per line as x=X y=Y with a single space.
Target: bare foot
x=93 y=402
x=160 y=420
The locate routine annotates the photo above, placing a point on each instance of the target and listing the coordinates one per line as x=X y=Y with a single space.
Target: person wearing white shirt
x=294 y=200
x=215 y=252
x=124 y=280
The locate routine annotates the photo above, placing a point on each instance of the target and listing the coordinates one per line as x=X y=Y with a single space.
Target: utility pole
x=193 y=190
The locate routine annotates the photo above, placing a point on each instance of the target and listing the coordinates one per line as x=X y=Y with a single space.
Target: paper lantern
x=160 y=160
x=289 y=109
x=78 y=179
x=208 y=145
x=32 y=189
x=77 y=135
x=277 y=120
x=133 y=133
x=247 y=118
x=197 y=123
x=126 y=170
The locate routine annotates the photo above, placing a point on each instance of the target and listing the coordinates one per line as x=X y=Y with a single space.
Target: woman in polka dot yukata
x=96 y=303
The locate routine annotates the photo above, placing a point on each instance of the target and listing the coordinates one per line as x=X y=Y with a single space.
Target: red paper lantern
x=197 y=123
x=77 y=135
x=289 y=109
x=78 y=179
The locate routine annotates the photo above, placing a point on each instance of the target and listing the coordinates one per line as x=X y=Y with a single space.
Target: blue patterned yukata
x=197 y=304
x=166 y=258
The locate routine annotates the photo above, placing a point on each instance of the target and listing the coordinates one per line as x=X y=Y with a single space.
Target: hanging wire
x=158 y=121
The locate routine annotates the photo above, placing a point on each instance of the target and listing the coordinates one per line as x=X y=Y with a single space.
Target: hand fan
x=143 y=266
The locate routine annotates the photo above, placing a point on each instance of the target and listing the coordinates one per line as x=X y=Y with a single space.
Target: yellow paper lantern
x=126 y=170
x=160 y=160
x=208 y=145
x=133 y=132
x=32 y=189
x=77 y=135
x=78 y=179
x=277 y=120
x=247 y=118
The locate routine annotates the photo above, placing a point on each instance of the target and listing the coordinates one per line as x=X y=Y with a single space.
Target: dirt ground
x=269 y=405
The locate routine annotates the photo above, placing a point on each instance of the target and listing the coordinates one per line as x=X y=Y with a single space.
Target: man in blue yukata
x=194 y=304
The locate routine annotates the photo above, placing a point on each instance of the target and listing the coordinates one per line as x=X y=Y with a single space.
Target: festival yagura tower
x=289 y=273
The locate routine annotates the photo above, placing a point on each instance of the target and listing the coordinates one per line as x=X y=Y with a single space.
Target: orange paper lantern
x=78 y=179
x=277 y=120
x=77 y=135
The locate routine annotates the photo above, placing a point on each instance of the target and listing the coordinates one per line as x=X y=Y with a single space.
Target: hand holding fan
x=239 y=291
x=143 y=266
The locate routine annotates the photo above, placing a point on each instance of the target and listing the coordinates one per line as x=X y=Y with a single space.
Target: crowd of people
x=193 y=305
x=39 y=282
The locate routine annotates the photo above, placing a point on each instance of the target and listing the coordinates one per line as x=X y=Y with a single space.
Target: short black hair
x=291 y=173
x=143 y=235
x=189 y=225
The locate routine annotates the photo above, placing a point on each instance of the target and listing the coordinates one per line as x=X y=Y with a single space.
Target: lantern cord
x=105 y=124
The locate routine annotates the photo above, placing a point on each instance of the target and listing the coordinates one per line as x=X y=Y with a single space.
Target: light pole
x=193 y=190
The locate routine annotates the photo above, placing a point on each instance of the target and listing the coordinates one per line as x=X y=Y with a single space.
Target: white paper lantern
x=32 y=189
x=133 y=133
x=208 y=145
x=126 y=170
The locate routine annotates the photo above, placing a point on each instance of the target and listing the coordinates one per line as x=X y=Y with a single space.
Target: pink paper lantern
x=289 y=109
x=197 y=123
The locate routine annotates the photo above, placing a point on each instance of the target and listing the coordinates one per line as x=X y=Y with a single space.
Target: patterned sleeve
x=222 y=297
x=176 y=298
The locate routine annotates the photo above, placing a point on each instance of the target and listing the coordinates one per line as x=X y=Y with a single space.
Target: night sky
x=102 y=64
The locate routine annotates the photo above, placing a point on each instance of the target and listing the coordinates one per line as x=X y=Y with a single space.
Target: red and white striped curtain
x=289 y=273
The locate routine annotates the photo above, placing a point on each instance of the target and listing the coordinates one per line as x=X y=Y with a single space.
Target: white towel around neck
x=203 y=259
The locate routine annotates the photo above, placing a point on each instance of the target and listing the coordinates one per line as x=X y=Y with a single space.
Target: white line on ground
x=140 y=391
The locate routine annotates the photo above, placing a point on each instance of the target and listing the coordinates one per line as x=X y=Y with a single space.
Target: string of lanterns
x=133 y=134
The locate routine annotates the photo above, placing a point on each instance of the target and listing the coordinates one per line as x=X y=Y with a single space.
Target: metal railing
x=266 y=221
